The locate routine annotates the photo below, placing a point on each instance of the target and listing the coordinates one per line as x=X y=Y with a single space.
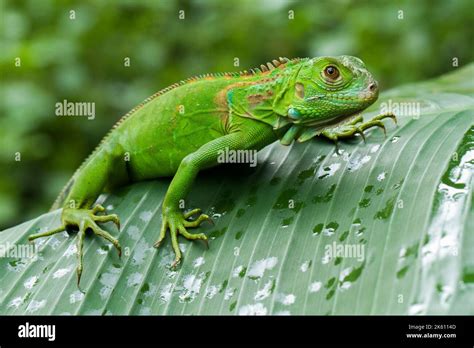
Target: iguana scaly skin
x=180 y=130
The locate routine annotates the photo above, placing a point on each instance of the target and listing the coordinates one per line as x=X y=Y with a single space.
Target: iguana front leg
x=253 y=137
x=356 y=126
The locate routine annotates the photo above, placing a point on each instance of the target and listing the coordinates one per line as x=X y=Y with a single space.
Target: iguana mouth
x=357 y=102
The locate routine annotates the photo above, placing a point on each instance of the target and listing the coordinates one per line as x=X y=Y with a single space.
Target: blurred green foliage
x=82 y=59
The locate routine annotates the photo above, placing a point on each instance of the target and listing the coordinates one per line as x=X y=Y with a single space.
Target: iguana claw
x=357 y=126
x=84 y=219
x=177 y=223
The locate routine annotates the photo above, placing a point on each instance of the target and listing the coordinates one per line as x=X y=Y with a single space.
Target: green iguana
x=180 y=131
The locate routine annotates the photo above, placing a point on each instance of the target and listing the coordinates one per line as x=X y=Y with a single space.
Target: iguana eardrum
x=181 y=129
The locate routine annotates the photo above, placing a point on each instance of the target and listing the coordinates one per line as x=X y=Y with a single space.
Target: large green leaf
x=405 y=200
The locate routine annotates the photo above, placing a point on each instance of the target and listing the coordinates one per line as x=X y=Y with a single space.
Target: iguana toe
x=176 y=222
x=83 y=220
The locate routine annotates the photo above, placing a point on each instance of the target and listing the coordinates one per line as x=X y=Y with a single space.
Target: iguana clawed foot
x=84 y=219
x=357 y=126
x=177 y=223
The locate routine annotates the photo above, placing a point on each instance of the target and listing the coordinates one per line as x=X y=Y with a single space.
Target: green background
x=83 y=60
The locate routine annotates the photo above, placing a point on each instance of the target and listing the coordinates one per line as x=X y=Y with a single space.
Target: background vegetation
x=82 y=59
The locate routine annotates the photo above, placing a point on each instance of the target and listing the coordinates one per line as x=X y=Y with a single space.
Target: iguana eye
x=331 y=72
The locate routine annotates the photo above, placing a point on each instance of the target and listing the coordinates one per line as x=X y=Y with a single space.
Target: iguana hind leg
x=89 y=182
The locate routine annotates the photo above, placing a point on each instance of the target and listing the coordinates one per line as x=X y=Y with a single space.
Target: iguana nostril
x=373 y=86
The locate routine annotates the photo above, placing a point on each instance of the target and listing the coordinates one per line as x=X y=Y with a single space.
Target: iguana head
x=327 y=90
